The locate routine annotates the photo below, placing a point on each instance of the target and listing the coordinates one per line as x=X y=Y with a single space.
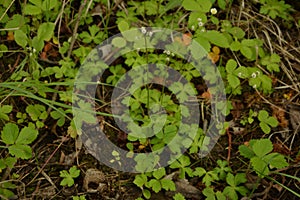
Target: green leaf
x=191 y=5
x=222 y=4
x=247 y=52
x=21 y=38
x=119 y=42
x=209 y=193
x=69 y=181
x=10 y=161
x=272 y=121
x=231 y=193
x=37 y=44
x=46 y=31
x=230 y=179
x=35 y=111
x=27 y=135
x=140 y=180
x=155 y=185
x=168 y=184
x=178 y=196
x=58 y=114
x=20 y=151
x=221 y=196
x=146 y=193
x=263 y=115
x=3 y=49
x=266 y=83
x=230 y=66
x=4 y=110
x=237 y=32
x=265 y=127
x=158 y=174
x=242 y=190
x=74 y=172
x=262 y=147
x=32 y=10
x=235 y=46
x=240 y=178
x=123 y=26
x=233 y=81
x=49 y=4
x=217 y=38
x=246 y=151
x=276 y=160
x=199 y=171
x=259 y=166
x=9 y=133
x=37 y=3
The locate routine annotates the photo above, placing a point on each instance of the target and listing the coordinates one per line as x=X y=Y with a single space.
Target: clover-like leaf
x=9 y=133
x=27 y=135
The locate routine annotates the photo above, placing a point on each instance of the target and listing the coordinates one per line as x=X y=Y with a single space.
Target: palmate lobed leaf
x=155 y=185
x=158 y=174
x=168 y=184
x=69 y=181
x=74 y=172
x=230 y=192
x=140 y=180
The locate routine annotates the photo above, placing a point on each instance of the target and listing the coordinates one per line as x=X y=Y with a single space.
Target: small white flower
x=193 y=28
x=254 y=86
x=30 y=54
x=143 y=29
x=168 y=52
x=253 y=75
x=213 y=11
x=150 y=34
x=240 y=74
x=200 y=24
x=199 y=19
x=167 y=59
x=33 y=50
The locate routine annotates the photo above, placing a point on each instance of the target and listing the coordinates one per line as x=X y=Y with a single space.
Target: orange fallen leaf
x=10 y=36
x=206 y=95
x=43 y=55
x=186 y=39
x=47 y=47
x=214 y=55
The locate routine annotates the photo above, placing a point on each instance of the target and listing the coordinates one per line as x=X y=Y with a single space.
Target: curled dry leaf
x=279 y=114
x=294 y=111
x=94 y=177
